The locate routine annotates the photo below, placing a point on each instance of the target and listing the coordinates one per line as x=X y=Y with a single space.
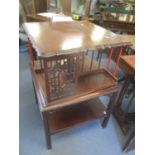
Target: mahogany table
x=67 y=78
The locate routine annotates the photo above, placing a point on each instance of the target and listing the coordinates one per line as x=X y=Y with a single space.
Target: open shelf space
x=75 y=115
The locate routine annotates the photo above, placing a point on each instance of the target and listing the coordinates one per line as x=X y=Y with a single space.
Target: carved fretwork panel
x=61 y=73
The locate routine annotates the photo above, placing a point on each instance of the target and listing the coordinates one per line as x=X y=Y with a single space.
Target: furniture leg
x=35 y=94
x=130 y=143
x=123 y=91
x=46 y=130
x=109 y=109
x=119 y=113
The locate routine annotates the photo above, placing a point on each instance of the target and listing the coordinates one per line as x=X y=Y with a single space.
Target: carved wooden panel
x=61 y=73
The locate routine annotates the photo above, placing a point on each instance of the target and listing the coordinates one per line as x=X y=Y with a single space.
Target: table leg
x=130 y=143
x=35 y=94
x=46 y=130
x=118 y=112
x=109 y=109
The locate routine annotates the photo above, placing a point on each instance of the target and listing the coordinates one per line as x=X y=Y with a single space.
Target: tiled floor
x=89 y=139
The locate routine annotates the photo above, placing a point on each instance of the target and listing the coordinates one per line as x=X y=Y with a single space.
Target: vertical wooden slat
x=99 y=57
x=41 y=66
x=83 y=61
x=58 y=81
x=109 y=59
x=118 y=59
x=54 y=77
x=91 y=60
x=46 y=79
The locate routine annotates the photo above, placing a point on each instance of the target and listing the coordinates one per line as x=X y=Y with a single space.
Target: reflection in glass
x=78 y=7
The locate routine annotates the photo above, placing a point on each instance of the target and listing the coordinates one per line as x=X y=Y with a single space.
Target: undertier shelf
x=75 y=115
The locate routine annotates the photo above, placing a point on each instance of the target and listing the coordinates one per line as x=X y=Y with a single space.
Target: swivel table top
x=53 y=38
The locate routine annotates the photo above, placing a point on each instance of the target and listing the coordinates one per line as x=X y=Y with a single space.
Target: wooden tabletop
x=129 y=61
x=51 y=38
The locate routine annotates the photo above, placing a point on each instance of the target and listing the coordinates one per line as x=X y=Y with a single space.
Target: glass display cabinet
x=80 y=7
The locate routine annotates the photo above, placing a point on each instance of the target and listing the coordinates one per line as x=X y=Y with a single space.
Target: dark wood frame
x=123 y=117
x=130 y=143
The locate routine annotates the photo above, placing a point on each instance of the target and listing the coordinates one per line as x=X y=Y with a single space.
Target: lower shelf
x=72 y=116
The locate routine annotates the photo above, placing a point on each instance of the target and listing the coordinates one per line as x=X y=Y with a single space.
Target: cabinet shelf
x=75 y=115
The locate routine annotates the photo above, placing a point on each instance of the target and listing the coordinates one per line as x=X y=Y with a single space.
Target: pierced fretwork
x=61 y=73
